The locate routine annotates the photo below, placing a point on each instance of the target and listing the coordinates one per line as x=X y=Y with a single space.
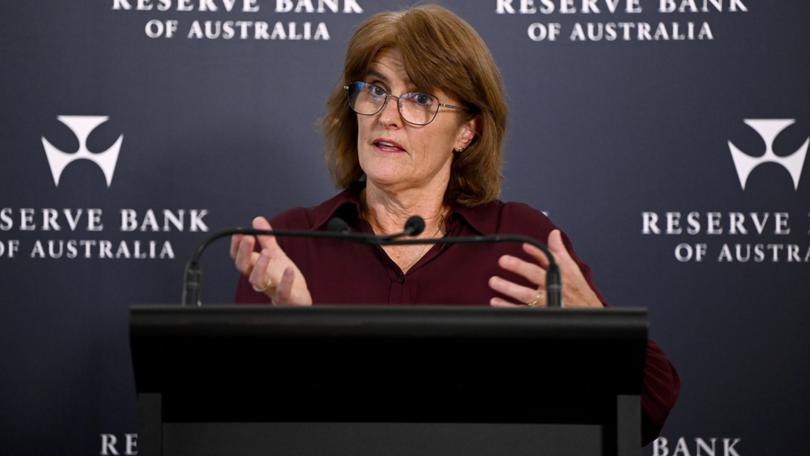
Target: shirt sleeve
x=660 y=382
x=659 y=390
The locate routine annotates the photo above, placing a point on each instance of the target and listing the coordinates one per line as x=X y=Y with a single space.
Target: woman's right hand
x=270 y=271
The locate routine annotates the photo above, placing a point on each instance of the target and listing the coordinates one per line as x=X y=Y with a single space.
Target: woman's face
x=398 y=156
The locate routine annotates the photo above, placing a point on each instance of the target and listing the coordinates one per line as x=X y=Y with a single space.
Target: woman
x=416 y=126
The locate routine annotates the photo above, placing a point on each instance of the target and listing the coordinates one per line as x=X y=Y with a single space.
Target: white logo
x=769 y=129
x=710 y=446
x=110 y=444
x=82 y=126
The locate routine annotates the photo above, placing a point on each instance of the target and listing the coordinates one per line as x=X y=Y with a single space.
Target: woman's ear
x=467 y=134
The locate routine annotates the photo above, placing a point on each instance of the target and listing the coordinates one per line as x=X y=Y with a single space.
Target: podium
x=387 y=380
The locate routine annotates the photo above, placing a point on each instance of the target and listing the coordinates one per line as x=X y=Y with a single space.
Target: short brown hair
x=440 y=51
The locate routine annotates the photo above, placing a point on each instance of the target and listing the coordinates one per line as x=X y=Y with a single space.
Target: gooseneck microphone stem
x=193 y=275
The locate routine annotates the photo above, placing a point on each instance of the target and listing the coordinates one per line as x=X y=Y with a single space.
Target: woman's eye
x=422 y=99
x=375 y=90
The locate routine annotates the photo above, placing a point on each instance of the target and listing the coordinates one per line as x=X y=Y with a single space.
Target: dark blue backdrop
x=601 y=133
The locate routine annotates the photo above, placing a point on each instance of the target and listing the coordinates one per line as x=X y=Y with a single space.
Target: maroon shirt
x=339 y=272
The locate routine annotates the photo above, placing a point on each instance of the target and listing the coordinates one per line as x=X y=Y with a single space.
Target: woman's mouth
x=386 y=145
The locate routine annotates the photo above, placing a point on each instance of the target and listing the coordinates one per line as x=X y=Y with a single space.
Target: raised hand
x=575 y=291
x=269 y=271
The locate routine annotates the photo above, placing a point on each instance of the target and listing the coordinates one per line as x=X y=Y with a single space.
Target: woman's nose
x=389 y=116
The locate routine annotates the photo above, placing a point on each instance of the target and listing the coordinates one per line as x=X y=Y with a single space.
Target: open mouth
x=386 y=145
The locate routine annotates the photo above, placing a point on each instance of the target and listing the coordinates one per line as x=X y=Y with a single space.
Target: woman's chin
x=383 y=179
x=383 y=172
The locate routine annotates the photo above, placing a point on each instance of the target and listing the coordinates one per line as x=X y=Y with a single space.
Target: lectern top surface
x=366 y=320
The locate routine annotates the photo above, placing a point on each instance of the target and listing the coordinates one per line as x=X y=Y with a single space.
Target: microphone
x=338 y=225
x=339 y=229
x=414 y=225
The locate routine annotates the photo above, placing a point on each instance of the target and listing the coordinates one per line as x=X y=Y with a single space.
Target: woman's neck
x=387 y=212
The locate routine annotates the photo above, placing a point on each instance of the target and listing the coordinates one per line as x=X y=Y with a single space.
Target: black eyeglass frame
x=388 y=95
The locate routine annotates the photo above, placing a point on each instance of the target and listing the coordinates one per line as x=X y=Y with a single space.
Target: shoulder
x=314 y=217
x=294 y=218
x=522 y=217
x=507 y=217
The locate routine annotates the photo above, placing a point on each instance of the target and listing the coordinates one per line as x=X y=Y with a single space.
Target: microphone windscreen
x=338 y=225
x=415 y=225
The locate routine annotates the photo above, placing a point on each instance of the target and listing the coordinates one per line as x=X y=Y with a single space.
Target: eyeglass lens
x=414 y=107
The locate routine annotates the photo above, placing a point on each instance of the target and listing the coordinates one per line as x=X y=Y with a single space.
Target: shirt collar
x=346 y=204
x=482 y=218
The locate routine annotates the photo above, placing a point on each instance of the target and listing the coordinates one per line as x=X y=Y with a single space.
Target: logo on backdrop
x=697 y=446
x=774 y=239
x=628 y=20
x=240 y=23
x=769 y=129
x=141 y=232
x=112 y=444
x=82 y=126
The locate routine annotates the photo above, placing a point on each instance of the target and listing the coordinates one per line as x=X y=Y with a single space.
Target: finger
x=567 y=264
x=537 y=254
x=517 y=292
x=530 y=271
x=284 y=289
x=498 y=302
x=266 y=242
x=259 y=277
x=235 y=240
x=245 y=255
x=577 y=291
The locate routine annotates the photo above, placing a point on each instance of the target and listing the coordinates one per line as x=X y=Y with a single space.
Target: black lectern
x=382 y=380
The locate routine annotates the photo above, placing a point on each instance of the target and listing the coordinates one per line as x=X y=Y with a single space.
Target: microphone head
x=338 y=225
x=414 y=225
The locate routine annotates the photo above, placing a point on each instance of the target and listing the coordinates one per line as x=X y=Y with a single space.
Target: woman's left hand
x=575 y=289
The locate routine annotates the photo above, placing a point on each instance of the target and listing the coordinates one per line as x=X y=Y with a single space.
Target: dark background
x=599 y=133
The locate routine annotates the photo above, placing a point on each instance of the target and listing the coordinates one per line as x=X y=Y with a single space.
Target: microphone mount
x=192 y=282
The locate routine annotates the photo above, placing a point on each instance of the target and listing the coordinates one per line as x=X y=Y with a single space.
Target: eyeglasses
x=416 y=108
